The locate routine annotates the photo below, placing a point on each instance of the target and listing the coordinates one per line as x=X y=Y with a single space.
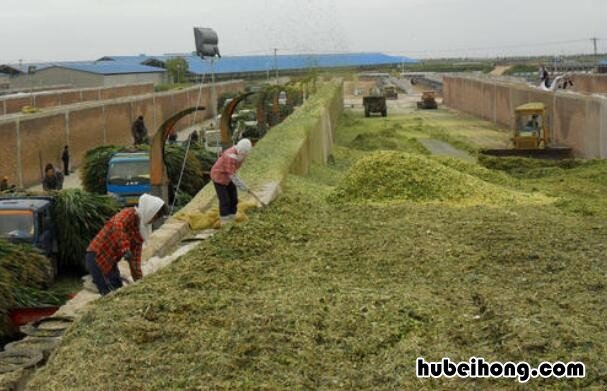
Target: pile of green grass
x=79 y=216
x=22 y=269
x=526 y=167
x=480 y=172
x=95 y=167
x=397 y=176
x=578 y=184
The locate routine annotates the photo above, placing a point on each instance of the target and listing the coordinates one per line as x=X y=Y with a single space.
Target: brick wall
x=9 y=105
x=31 y=140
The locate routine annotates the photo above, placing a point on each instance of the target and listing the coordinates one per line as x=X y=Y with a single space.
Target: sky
x=61 y=30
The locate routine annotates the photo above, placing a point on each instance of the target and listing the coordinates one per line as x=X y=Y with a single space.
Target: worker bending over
x=122 y=236
x=226 y=181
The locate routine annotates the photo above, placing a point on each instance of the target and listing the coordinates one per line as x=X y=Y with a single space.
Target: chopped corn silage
x=22 y=268
x=395 y=176
x=307 y=295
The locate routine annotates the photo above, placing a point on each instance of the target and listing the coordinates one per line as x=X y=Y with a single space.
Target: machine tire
x=33 y=329
x=19 y=360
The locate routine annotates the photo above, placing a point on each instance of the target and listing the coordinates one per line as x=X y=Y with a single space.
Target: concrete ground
x=441 y=148
x=406 y=104
x=71 y=181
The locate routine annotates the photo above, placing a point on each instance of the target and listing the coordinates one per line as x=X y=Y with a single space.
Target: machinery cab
x=530 y=128
x=128 y=177
x=28 y=220
x=390 y=92
x=428 y=101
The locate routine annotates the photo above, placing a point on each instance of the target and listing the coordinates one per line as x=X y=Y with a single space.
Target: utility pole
x=596 y=54
x=213 y=95
x=276 y=65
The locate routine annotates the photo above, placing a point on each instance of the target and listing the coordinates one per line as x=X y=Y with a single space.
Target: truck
x=28 y=220
x=428 y=101
x=128 y=177
x=390 y=92
x=375 y=104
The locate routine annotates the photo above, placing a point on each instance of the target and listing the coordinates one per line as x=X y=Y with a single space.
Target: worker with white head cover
x=226 y=181
x=122 y=236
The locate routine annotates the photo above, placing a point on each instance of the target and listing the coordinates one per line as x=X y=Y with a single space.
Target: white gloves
x=239 y=182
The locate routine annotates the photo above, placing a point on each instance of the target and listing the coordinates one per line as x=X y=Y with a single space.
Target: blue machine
x=128 y=177
x=29 y=220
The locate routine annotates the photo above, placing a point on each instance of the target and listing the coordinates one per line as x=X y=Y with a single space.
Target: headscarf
x=147 y=208
x=242 y=148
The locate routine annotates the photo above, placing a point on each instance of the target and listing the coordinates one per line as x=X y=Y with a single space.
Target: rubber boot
x=226 y=220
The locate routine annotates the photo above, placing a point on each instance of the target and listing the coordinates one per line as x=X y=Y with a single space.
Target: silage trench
x=309 y=303
x=318 y=295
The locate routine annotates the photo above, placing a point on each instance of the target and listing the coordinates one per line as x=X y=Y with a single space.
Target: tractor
x=531 y=136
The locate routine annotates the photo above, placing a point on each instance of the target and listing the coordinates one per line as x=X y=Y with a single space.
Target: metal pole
x=213 y=94
x=596 y=54
x=276 y=64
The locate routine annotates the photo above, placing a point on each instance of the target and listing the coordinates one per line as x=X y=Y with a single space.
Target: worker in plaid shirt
x=225 y=180
x=122 y=236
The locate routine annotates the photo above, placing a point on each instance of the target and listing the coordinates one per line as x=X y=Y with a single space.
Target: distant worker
x=533 y=123
x=140 y=132
x=565 y=83
x=194 y=137
x=544 y=76
x=4 y=184
x=122 y=237
x=173 y=138
x=223 y=174
x=65 y=158
x=53 y=180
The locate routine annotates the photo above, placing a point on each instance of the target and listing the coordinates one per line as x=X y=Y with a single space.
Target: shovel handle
x=256 y=198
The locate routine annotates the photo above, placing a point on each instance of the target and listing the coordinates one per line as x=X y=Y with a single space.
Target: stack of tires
x=22 y=357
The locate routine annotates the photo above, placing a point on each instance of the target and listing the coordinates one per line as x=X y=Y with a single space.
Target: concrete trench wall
x=576 y=120
x=306 y=137
x=589 y=83
x=31 y=141
x=13 y=104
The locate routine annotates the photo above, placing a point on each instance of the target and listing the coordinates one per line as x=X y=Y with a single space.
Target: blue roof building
x=113 y=70
x=238 y=65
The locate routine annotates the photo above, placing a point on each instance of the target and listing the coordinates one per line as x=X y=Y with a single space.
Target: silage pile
x=79 y=216
x=394 y=176
x=21 y=268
